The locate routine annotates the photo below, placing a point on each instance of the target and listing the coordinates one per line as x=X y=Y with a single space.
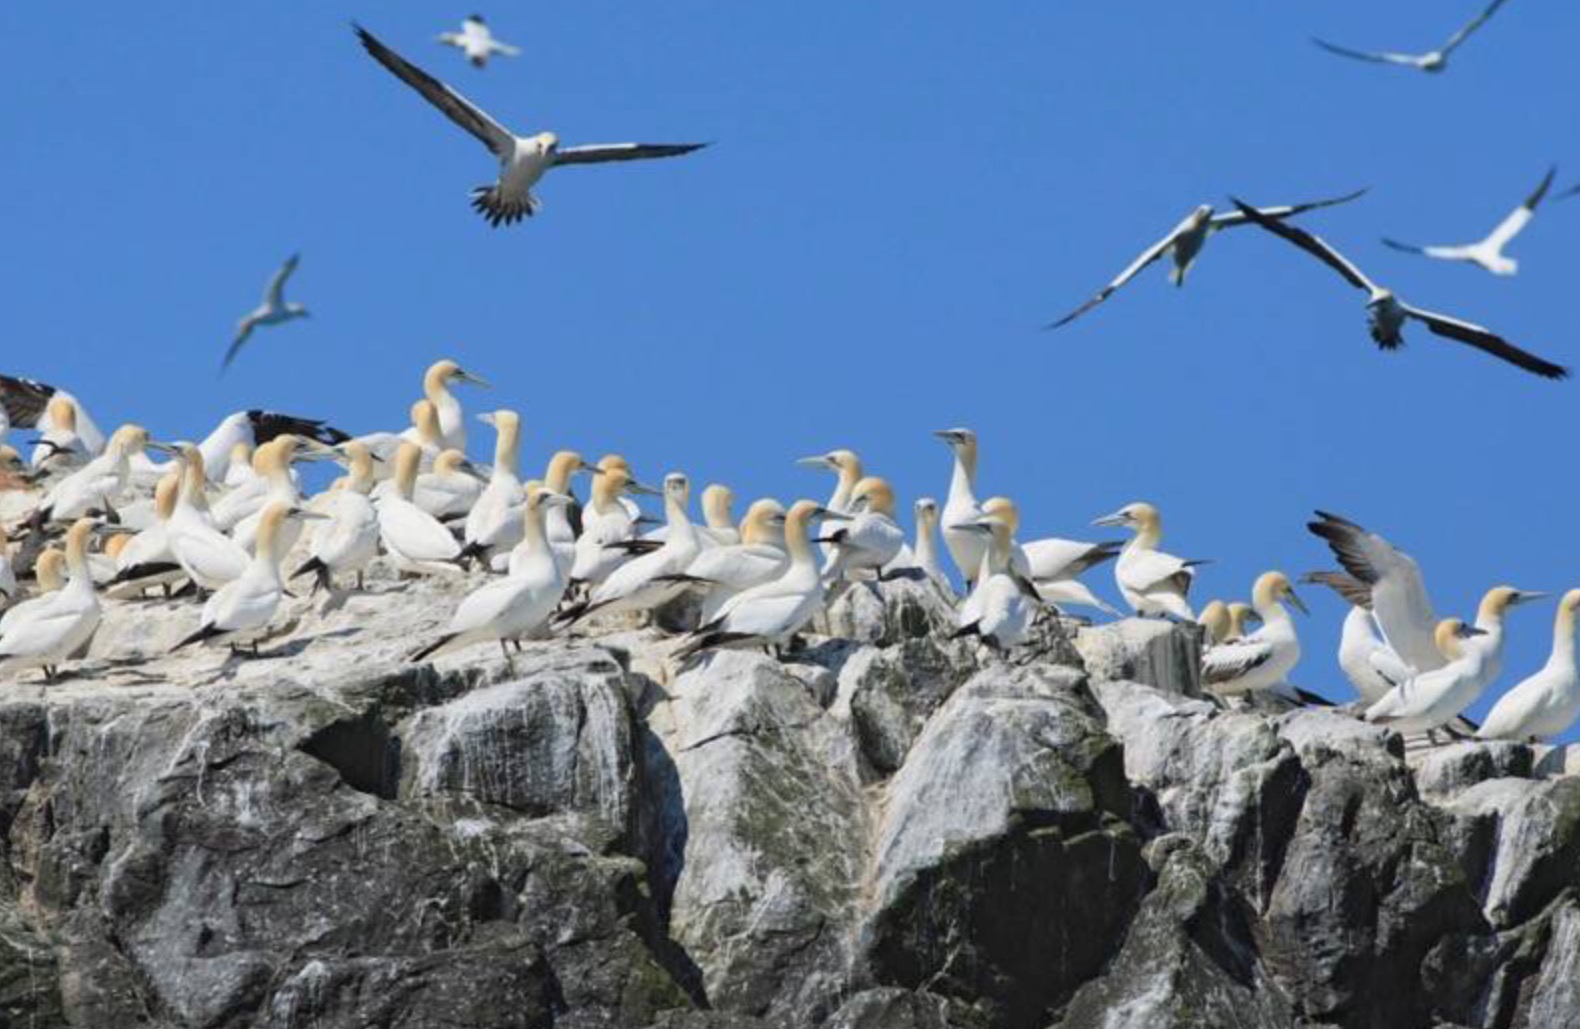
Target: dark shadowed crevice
x=363 y=750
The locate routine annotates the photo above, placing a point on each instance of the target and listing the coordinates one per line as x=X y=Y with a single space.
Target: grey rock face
x=892 y=830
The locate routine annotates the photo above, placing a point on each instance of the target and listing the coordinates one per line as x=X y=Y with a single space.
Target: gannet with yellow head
x=47 y=634
x=606 y=522
x=718 y=516
x=1052 y=564
x=967 y=544
x=1214 y=620
x=274 y=466
x=1547 y=703
x=871 y=538
x=730 y=569
x=209 y=557
x=563 y=467
x=925 y=550
x=490 y=523
x=147 y=559
x=1002 y=603
x=416 y=539
x=451 y=488
x=1393 y=580
x=846 y=465
x=61 y=447
x=436 y=383
x=49 y=574
x=647 y=581
x=349 y=540
x=1496 y=603
x=1432 y=699
x=1262 y=659
x=99 y=484
x=1242 y=617
x=1152 y=582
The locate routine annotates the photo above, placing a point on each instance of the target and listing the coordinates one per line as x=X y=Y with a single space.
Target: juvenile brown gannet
x=416 y=539
x=1361 y=650
x=49 y=574
x=1546 y=703
x=650 y=580
x=1431 y=61
x=1261 y=660
x=1387 y=314
x=519 y=605
x=730 y=569
x=1002 y=604
x=1152 y=582
x=46 y=634
x=349 y=540
x=1488 y=252
x=1184 y=244
x=1053 y=564
x=967 y=545
x=208 y=556
x=436 y=383
x=241 y=611
x=523 y=160
x=274 y=310
x=477 y=42
x=871 y=538
x=1430 y=700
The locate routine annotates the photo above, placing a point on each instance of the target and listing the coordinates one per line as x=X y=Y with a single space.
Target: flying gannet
x=1432 y=61
x=523 y=160
x=1545 y=704
x=1387 y=314
x=1488 y=252
x=274 y=310
x=46 y=634
x=1152 y=582
x=1184 y=244
x=477 y=42
x=1262 y=659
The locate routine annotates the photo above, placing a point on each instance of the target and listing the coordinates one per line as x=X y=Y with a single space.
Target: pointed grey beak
x=163 y=448
x=831 y=516
x=303 y=514
x=1300 y=605
x=641 y=490
x=1525 y=596
x=487 y=418
x=1117 y=518
x=471 y=469
x=817 y=461
x=471 y=380
x=1467 y=631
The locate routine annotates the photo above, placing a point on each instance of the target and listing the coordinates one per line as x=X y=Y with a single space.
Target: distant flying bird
x=1488 y=253
x=1434 y=61
x=477 y=42
x=1388 y=314
x=523 y=160
x=274 y=310
x=1184 y=243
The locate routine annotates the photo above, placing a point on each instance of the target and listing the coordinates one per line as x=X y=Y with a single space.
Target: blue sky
x=899 y=196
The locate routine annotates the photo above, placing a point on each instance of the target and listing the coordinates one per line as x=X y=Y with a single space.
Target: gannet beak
x=1466 y=631
x=161 y=447
x=487 y=418
x=1300 y=605
x=1524 y=596
x=947 y=435
x=472 y=380
x=312 y=450
x=832 y=516
x=471 y=469
x=983 y=527
x=817 y=461
x=1117 y=518
x=590 y=469
x=303 y=514
x=646 y=491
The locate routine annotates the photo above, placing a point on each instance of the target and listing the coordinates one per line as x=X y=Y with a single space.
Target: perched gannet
x=1388 y=314
x=1053 y=564
x=650 y=580
x=967 y=545
x=1262 y=659
x=844 y=464
x=1152 y=582
x=1432 y=61
x=1488 y=252
x=925 y=550
x=208 y=556
x=1393 y=580
x=27 y=406
x=488 y=517
x=147 y=559
x=350 y=538
x=48 y=633
x=605 y=523
x=450 y=489
x=1362 y=653
x=240 y=611
x=557 y=527
x=520 y=604
x=1002 y=604
x=250 y=497
x=718 y=516
x=274 y=310
x=273 y=464
x=97 y=485
x=424 y=431
x=238 y=434
x=436 y=383
x=49 y=572
x=477 y=42
x=61 y=447
x=727 y=570
x=416 y=539
x=238 y=466
x=1432 y=699
x=1241 y=617
x=1214 y=620
x=871 y=538
x=1547 y=703
x=1495 y=605
x=769 y=614
x=1184 y=244
x=522 y=159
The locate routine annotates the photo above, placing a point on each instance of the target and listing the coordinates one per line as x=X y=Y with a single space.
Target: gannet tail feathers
x=492 y=205
x=1409 y=248
x=432 y=648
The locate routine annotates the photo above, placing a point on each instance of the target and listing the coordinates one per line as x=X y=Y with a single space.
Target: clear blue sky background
x=899 y=196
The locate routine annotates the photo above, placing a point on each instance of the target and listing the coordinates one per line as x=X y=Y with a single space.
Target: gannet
x=423 y=431
x=605 y=522
x=243 y=431
x=871 y=538
x=1001 y=606
x=925 y=550
x=650 y=580
x=1432 y=699
x=147 y=560
x=349 y=540
x=49 y=574
x=97 y=485
x=249 y=497
x=238 y=466
x=477 y=42
x=14 y=473
x=1495 y=605
x=436 y=383
x=46 y=634
x=208 y=556
x=520 y=604
x=451 y=488
x=416 y=539
x=1214 y=620
x=61 y=447
x=1398 y=594
x=1387 y=314
x=1184 y=244
x=240 y=611
x=769 y=614
x=718 y=516
x=1241 y=617
x=27 y=406
x=523 y=160
x=1545 y=704
x=1052 y=564
x=557 y=527
x=1262 y=659
x=730 y=569
x=274 y=310
x=844 y=464
x=1432 y=61
x=1152 y=582
x=1361 y=650
x=967 y=545
x=273 y=464
x=488 y=517
x=1488 y=252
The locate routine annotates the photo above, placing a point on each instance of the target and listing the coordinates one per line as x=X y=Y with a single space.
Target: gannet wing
x=1150 y=254
x=454 y=106
x=1384 y=57
x=1228 y=661
x=274 y=295
x=1471 y=26
x=1148 y=569
x=1230 y=219
x=1311 y=245
x=267 y=425
x=1521 y=216
x=1487 y=341
x=24 y=400
x=1439 y=252
x=1400 y=605
x=243 y=332
x=599 y=153
x=504 y=48
x=1350 y=588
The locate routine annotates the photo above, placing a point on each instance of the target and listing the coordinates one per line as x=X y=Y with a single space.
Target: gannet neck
x=1267 y=597
x=676 y=496
x=165 y=495
x=557 y=479
x=194 y=478
x=716 y=503
x=797 y=538
x=1214 y=618
x=606 y=490
x=850 y=473
x=267 y=551
x=754 y=527
x=49 y=570
x=1239 y=615
x=927 y=534
x=998 y=549
x=359 y=468
x=77 y=554
x=1564 y=624
x=62 y=414
x=1148 y=527
x=507 y=443
x=534 y=533
x=1494 y=605
x=962 y=483
x=426 y=420
x=877 y=493
x=407 y=459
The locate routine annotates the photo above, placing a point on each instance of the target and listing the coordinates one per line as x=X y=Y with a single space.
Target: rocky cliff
x=885 y=830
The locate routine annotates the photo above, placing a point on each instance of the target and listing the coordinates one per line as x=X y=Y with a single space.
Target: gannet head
x=958 y=439
x=677 y=489
x=550 y=140
x=873 y=494
x=128 y=439
x=1214 y=617
x=835 y=460
x=77 y=538
x=762 y=518
x=62 y=413
x=1498 y=600
x=1274 y=588
x=926 y=509
x=116 y=543
x=1003 y=508
x=241 y=453
x=1139 y=516
x=717 y=502
x=1241 y=617
x=540 y=499
x=1568 y=610
x=563 y=465
x=1450 y=632
x=425 y=419
x=451 y=462
x=441 y=374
